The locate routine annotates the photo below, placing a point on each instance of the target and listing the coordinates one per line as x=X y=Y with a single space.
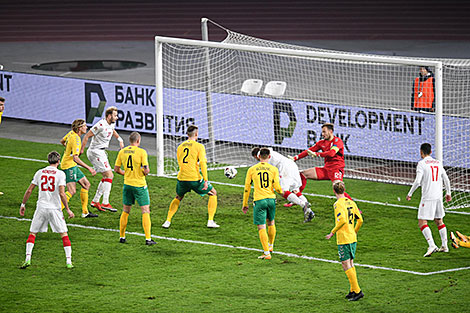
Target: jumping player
x=101 y=134
x=332 y=148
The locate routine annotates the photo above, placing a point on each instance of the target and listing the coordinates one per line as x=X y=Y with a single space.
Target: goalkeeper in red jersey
x=332 y=148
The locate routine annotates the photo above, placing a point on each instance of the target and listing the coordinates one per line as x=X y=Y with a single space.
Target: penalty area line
x=292 y=255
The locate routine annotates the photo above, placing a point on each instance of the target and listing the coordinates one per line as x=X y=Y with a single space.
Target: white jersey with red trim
x=285 y=166
x=48 y=180
x=430 y=174
x=102 y=132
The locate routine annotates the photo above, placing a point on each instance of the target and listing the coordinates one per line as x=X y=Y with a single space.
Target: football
x=230 y=172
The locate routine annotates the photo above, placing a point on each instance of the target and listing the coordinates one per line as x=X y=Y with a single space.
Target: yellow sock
x=123 y=224
x=147 y=224
x=173 y=208
x=263 y=237
x=69 y=196
x=212 y=207
x=271 y=234
x=84 y=200
x=352 y=277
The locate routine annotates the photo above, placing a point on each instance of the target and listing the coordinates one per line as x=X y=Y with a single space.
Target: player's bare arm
x=85 y=140
x=63 y=198
x=63 y=142
x=121 y=142
x=83 y=164
x=26 y=196
x=145 y=170
x=118 y=169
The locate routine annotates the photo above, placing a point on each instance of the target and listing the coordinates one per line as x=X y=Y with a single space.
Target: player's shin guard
x=443 y=234
x=29 y=247
x=263 y=237
x=271 y=234
x=67 y=249
x=84 y=200
x=427 y=235
x=99 y=192
x=212 y=207
x=352 y=277
x=123 y=224
x=147 y=225
x=68 y=195
x=173 y=208
x=107 y=184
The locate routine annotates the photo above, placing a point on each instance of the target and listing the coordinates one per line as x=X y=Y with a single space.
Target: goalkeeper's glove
x=293 y=158
x=312 y=154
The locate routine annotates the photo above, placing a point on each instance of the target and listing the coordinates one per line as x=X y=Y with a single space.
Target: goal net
x=249 y=92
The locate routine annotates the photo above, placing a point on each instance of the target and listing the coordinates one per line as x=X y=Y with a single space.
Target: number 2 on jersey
x=129 y=163
x=186 y=150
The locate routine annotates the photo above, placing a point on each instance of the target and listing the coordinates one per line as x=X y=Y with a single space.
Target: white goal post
x=201 y=82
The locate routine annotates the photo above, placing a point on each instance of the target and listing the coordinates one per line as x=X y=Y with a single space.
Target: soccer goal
x=245 y=95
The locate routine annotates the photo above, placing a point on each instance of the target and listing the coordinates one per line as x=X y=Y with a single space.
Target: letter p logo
x=92 y=112
x=283 y=132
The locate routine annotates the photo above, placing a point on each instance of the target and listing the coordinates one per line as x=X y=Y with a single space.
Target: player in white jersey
x=289 y=179
x=429 y=175
x=51 y=182
x=101 y=134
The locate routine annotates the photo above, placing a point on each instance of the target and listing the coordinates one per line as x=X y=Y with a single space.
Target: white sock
x=443 y=234
x=294 y=199
x=428 y=236
x=68 y=254
x=106 y=192
x=29 y=251
x=302 y=197
x=99 y=192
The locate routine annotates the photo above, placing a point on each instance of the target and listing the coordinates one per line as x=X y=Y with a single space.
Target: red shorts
x=329 y=173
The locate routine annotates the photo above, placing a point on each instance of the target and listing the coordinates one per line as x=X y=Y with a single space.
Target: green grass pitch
x=176 y=276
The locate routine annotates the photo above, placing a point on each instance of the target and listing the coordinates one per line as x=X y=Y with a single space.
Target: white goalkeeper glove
x=312 y=154
x=291 y=158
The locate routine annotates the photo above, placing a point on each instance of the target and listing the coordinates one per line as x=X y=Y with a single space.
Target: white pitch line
x=241 y=186
x=292 y=255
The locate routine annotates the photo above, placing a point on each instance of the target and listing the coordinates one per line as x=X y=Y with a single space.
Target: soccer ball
x=230 y=172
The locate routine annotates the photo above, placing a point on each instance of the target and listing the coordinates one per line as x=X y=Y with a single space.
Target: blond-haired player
x=346 y=212
x=430 y=174
x=70 y=159
x=192 y=175
x=101 y=134
x=265 y=178
x=51 y=183
x=134 y=160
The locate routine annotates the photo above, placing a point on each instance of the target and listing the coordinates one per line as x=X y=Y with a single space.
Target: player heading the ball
x=101 y=134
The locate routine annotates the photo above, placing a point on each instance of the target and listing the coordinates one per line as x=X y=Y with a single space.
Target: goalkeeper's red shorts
x=329 y=173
